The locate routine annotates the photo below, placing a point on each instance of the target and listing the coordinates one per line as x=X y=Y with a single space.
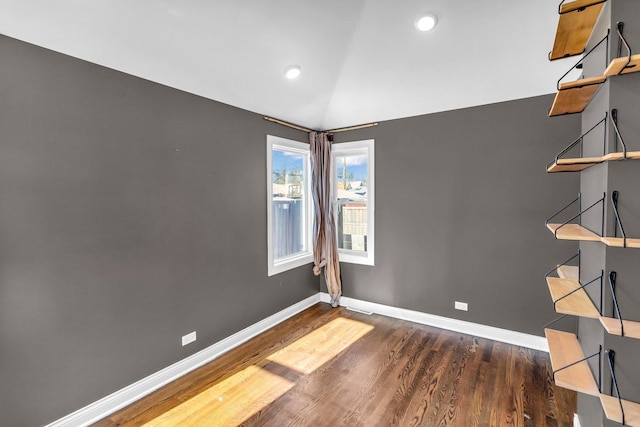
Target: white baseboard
x=475 y=329
x=118 y=400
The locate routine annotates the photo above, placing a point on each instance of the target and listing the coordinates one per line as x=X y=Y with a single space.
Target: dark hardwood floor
x=333 y=367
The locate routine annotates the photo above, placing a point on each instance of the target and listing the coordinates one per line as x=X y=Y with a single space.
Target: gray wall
x=133 y=214
x=130 y=215
x=461 y=199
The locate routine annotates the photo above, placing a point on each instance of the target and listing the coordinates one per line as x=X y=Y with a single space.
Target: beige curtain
x=325 y=248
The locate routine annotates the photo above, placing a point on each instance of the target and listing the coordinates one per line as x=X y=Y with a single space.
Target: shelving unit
x=575 y=25
x=569 y=364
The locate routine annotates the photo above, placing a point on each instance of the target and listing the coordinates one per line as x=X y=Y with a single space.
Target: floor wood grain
x=334 y=367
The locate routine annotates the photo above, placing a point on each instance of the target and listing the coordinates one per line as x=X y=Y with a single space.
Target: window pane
x=288 y=185
x=352 y=226
x=351 y=177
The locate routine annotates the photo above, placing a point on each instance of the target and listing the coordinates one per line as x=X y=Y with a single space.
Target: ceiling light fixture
x=292 y=72
x=426 y=22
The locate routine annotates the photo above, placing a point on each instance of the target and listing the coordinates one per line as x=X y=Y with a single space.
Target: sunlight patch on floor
x=229 y=402
x=308 y=353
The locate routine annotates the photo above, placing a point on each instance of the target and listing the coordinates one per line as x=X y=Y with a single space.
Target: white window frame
x=357 y=147
x=280 y=265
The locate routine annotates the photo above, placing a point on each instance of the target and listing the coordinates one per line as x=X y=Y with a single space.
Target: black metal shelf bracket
x=614 y=383
x=616 y=307
x=579 y=64
x=595 y=279
x=555 y=320
x=580 y=141
x=622 y=41
x=578 y=216
x=598 y=353
x=614 y=203
x=565 y=263
x=618 y=136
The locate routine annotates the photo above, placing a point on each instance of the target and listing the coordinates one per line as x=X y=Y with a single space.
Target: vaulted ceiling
x=362 y=60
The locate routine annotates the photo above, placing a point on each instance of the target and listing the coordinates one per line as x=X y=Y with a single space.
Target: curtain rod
x=287 y=124
x=368 y=125
x=304 y=129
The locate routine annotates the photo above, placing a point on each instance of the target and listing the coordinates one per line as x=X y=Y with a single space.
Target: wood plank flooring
x=335 y=367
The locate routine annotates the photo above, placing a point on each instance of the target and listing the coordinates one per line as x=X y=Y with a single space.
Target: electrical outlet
x=461 y=306
x=189 y=338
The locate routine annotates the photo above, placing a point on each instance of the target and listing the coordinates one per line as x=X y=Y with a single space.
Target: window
x=288 y=204
x=353 y=200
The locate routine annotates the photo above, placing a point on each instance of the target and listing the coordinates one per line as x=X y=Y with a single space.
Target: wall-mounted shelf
x=573 y=97
x=577 y=232
x=576 y=164
x=623 y=66
x=569 y=297
x=612 y=410
x=575 y=24
x=613 y=327
x=619 y=242
x=615 y=408
x=580 y=163
x=568 y=294
x=573 y=232
x=570 y=367
x=616 y=325
x=623 y=241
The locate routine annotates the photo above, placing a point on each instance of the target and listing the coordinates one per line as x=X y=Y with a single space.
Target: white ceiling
x=362 y=60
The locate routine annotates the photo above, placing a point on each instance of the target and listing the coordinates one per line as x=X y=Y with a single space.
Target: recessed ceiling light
x=292 y=72
x=426 y=22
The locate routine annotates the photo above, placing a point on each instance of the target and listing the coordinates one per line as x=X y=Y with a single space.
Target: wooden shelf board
x=575 y=25
x=576 y=304
x=573 y=232
x=570 y=6
x=569 y=272
x=618 y=242
x=580 y=163
x=574 y=164
x=588 y=81
x=574 y=99
x=620 y=66
x=569 y=167
x=564 y=349
x=612 y=411
x=612 y=326
x=631 y=155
